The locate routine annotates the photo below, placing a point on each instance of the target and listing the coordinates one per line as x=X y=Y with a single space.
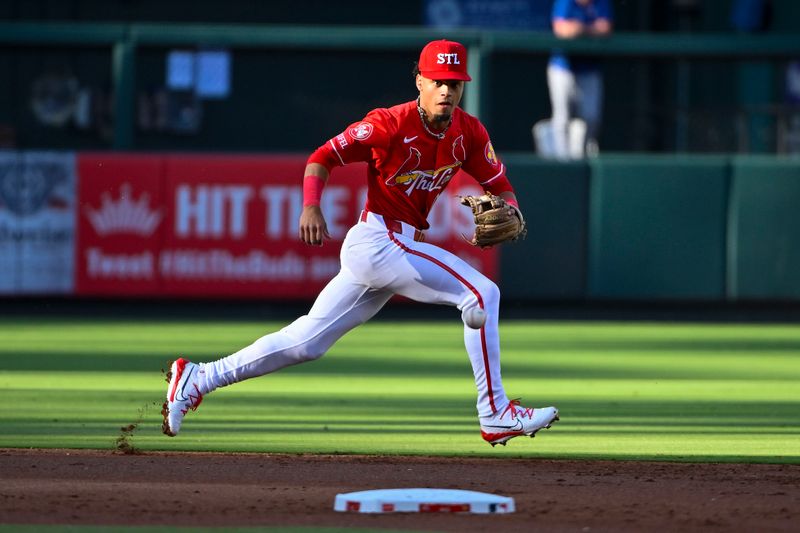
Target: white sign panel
x=37 y=222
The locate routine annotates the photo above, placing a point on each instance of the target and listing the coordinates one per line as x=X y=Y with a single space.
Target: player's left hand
x=496 y=221
x=313 y=228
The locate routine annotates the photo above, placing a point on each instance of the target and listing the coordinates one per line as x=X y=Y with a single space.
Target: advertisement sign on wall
x=37 y=222
x=120 y=223
x=227 y=226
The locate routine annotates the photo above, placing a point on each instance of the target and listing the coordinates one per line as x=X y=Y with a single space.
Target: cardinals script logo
x=409 y=176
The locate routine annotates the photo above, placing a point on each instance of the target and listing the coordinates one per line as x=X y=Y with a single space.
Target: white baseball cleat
x=182 y=394
x=515 y=421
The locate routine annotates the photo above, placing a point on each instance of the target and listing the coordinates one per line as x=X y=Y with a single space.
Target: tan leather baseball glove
x=496 y=220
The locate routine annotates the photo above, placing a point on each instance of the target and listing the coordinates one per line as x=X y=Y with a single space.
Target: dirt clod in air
x=124 y=443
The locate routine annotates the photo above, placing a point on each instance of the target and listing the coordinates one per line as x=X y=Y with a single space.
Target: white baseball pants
x=574 y=95
x=377 y=263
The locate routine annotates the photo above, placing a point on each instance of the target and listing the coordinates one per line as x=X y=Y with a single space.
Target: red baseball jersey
x=408 y=167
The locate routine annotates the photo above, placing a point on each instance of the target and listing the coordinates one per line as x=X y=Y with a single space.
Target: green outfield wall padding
x=550 y=264
x=764 y=234
x=657 y=228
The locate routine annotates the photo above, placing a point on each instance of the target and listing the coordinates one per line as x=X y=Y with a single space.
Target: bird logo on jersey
x=406 y=173
x=413 y=179
x=459 y=153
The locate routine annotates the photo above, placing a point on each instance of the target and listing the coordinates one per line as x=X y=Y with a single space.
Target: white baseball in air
x=474 y=317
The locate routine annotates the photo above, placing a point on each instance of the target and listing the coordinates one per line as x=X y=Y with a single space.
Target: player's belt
x=394 y=225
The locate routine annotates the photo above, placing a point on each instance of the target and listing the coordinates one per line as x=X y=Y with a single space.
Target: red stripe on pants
x=477 y=294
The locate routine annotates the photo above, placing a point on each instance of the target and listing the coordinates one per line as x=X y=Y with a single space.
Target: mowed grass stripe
x=626 y=390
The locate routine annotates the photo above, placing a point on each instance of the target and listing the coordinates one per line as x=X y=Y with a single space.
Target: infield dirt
x=77 y=487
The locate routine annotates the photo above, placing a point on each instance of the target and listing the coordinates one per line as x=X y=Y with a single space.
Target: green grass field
x=689 y=392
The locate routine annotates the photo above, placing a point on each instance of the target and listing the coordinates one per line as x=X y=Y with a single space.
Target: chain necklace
x=422 y=115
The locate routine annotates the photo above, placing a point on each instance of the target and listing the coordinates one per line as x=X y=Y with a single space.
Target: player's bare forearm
x=509 y=195
x=571 y=28
x=600 y=28
x=315 y=169
x=510 y=198
x=567 y=28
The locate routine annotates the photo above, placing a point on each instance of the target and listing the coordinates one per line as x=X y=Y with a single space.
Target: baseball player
x=577 y=83
x=412 y=150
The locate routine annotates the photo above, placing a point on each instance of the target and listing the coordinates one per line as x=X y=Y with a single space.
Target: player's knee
x=490 y=294
x=309 y=352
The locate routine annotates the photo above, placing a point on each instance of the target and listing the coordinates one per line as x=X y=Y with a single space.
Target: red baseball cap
x=444 y=60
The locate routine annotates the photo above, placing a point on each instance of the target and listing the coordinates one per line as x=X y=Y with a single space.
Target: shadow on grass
x=339 y=363
x=434 y=413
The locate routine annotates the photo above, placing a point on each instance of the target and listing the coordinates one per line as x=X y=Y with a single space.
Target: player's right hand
x=313 y=228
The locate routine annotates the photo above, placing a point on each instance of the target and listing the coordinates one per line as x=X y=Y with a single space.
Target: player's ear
x=419 y=82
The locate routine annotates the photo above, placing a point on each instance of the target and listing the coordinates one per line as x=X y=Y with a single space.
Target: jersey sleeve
x=561 y=10
x=356 y=142
x=604 y=10
x=483 y=164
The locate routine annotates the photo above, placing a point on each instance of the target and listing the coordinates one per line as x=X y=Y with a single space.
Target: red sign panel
x=227 y=226
x=120 y=223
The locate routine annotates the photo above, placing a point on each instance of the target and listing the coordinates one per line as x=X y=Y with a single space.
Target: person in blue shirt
x=576 y=83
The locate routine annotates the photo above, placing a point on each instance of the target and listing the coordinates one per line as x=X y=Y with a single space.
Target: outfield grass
x=692 y=392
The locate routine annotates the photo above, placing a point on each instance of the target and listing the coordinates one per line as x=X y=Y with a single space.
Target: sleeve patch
x=361 y=131
x=488 y=152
